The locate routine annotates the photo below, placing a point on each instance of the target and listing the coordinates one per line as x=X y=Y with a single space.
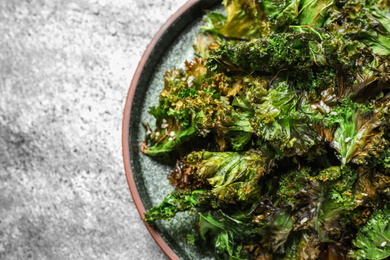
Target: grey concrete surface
x=65 y=69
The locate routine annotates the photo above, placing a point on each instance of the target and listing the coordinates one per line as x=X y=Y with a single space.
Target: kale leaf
x=373 y=239
x=282 y=127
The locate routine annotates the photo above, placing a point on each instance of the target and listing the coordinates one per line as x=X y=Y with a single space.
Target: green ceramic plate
x=147 y=178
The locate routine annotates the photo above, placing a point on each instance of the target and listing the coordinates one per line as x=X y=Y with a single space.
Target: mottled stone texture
x=65 y=68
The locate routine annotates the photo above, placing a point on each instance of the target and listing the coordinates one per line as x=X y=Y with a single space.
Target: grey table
x=65 y=68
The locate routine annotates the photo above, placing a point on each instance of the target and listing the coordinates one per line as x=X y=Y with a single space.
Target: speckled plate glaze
x=147 y=178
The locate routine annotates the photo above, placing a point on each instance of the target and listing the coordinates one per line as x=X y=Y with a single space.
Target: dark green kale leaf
x=215 y=105
x=178 y=201
x=281 y=13
x=315 y=13
x=339 y=199
x=381 y=183
x=295 y=96
x=383 y=160
x=227 y=234
x=292 y=184
x=279 y=231
x=233 y=176
x=307 y=247
x=308 y=54
x=373 y=239
x=175 y=126
x=358 y=131
x=195 y=102
x=300 y=49
x=167 y=136
x=284 y=120
x=275 y=225
x=303 y=197
x=372 y=23
x=268 y=54
x=321 y=201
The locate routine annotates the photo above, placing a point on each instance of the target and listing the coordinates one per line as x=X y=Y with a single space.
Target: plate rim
x=126 y=129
